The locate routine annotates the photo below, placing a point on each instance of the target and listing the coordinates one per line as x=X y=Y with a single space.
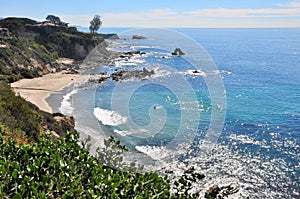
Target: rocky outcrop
x=58 y=123
x=222 y=191
x=178 y=52
x=138 y=37
x=212 y=192
x=110 y=36
x=30 y=51
x=131 y=53
x=63 y=124
x=124 y=75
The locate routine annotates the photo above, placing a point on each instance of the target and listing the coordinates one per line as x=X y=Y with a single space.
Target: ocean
x=230 y=106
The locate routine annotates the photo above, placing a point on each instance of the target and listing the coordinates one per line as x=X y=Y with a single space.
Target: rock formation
x=178 y=52
x=138 y=37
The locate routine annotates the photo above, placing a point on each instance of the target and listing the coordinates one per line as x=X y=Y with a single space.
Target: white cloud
x=293 y=4
x=284 y=15
x=161 y=13
x=291 y=9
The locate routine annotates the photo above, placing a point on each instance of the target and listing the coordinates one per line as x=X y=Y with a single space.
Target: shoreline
x=37 y=90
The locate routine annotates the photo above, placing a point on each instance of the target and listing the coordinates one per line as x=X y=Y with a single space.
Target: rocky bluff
x=31 y=48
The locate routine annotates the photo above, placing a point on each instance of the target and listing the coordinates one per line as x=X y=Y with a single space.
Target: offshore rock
x=124 y=75
x=212 y=192
x=138 y=37
x=178 y=52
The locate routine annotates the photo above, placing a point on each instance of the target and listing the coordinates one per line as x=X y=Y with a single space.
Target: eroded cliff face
x=32 y=49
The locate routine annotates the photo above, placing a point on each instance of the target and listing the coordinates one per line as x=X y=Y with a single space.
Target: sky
x=162 y=13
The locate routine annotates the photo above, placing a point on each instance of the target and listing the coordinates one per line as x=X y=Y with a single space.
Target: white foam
x=132 y=61
x=160 y=73
x=197 y=73
x=244 y=139
x=108 y=117
x=155 y=152
x=139 y=47
x=66 y=107
x=222 y=72
x=193 y=72
x=123 y=133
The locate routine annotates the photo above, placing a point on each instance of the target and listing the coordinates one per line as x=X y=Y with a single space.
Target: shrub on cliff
x=24 y=58
x=17 y=116
x=62 y=169
x=31 y=51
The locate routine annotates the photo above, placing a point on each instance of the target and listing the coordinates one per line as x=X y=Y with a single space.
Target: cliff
x=30 y=48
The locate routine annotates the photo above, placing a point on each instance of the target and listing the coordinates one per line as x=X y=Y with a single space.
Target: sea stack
x=178 y=52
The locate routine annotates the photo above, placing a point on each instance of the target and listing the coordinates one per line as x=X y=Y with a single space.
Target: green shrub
x=63 y=169
x=16 y=114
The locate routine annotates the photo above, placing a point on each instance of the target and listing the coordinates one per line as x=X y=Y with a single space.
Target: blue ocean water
x=259 y=145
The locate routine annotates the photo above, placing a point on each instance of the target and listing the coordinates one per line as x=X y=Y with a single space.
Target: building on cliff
x=50 y=27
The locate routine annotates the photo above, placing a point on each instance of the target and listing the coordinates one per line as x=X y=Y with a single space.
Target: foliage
x=21 y=58
x=95 y=24
x=112 y=156
x=17 y=116
x=14 y=24
x=63 y=169
x=30 y=51
x=66 y=42
x=54 y=19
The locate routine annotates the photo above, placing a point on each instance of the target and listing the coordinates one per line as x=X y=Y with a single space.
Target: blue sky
x=162 y=13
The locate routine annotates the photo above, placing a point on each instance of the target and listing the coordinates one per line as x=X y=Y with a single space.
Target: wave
x=140 y=47
x=123 y=133
x=204 y=74
x=132 y=61
x=66 y=107
x=222 y=72
x=194 y=72
x=108 y=117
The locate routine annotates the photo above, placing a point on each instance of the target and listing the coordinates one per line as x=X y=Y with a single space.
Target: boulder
x=178 y=52
x=212 y=192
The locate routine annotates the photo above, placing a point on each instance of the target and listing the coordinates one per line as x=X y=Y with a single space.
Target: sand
x=38 y=89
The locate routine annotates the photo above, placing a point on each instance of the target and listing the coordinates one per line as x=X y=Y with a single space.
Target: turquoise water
x=259 y=145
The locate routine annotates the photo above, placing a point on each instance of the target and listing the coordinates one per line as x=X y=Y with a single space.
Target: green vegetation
x=22 y=57
x=32 y=163
x=67 y=43
x=95 y=24
x=17 y=120
x=63 y=169
x=32 y=47
x=34 y=166
x=22 y=121
x=54 y=19
x=15 y=24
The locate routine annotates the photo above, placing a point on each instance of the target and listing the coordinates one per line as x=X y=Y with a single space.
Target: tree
x=53 y=19
x=95 y=24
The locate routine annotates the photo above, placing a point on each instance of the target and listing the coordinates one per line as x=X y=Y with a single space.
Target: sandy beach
x=38 y=89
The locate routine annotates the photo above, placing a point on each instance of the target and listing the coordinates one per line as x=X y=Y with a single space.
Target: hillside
x=30 y=48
